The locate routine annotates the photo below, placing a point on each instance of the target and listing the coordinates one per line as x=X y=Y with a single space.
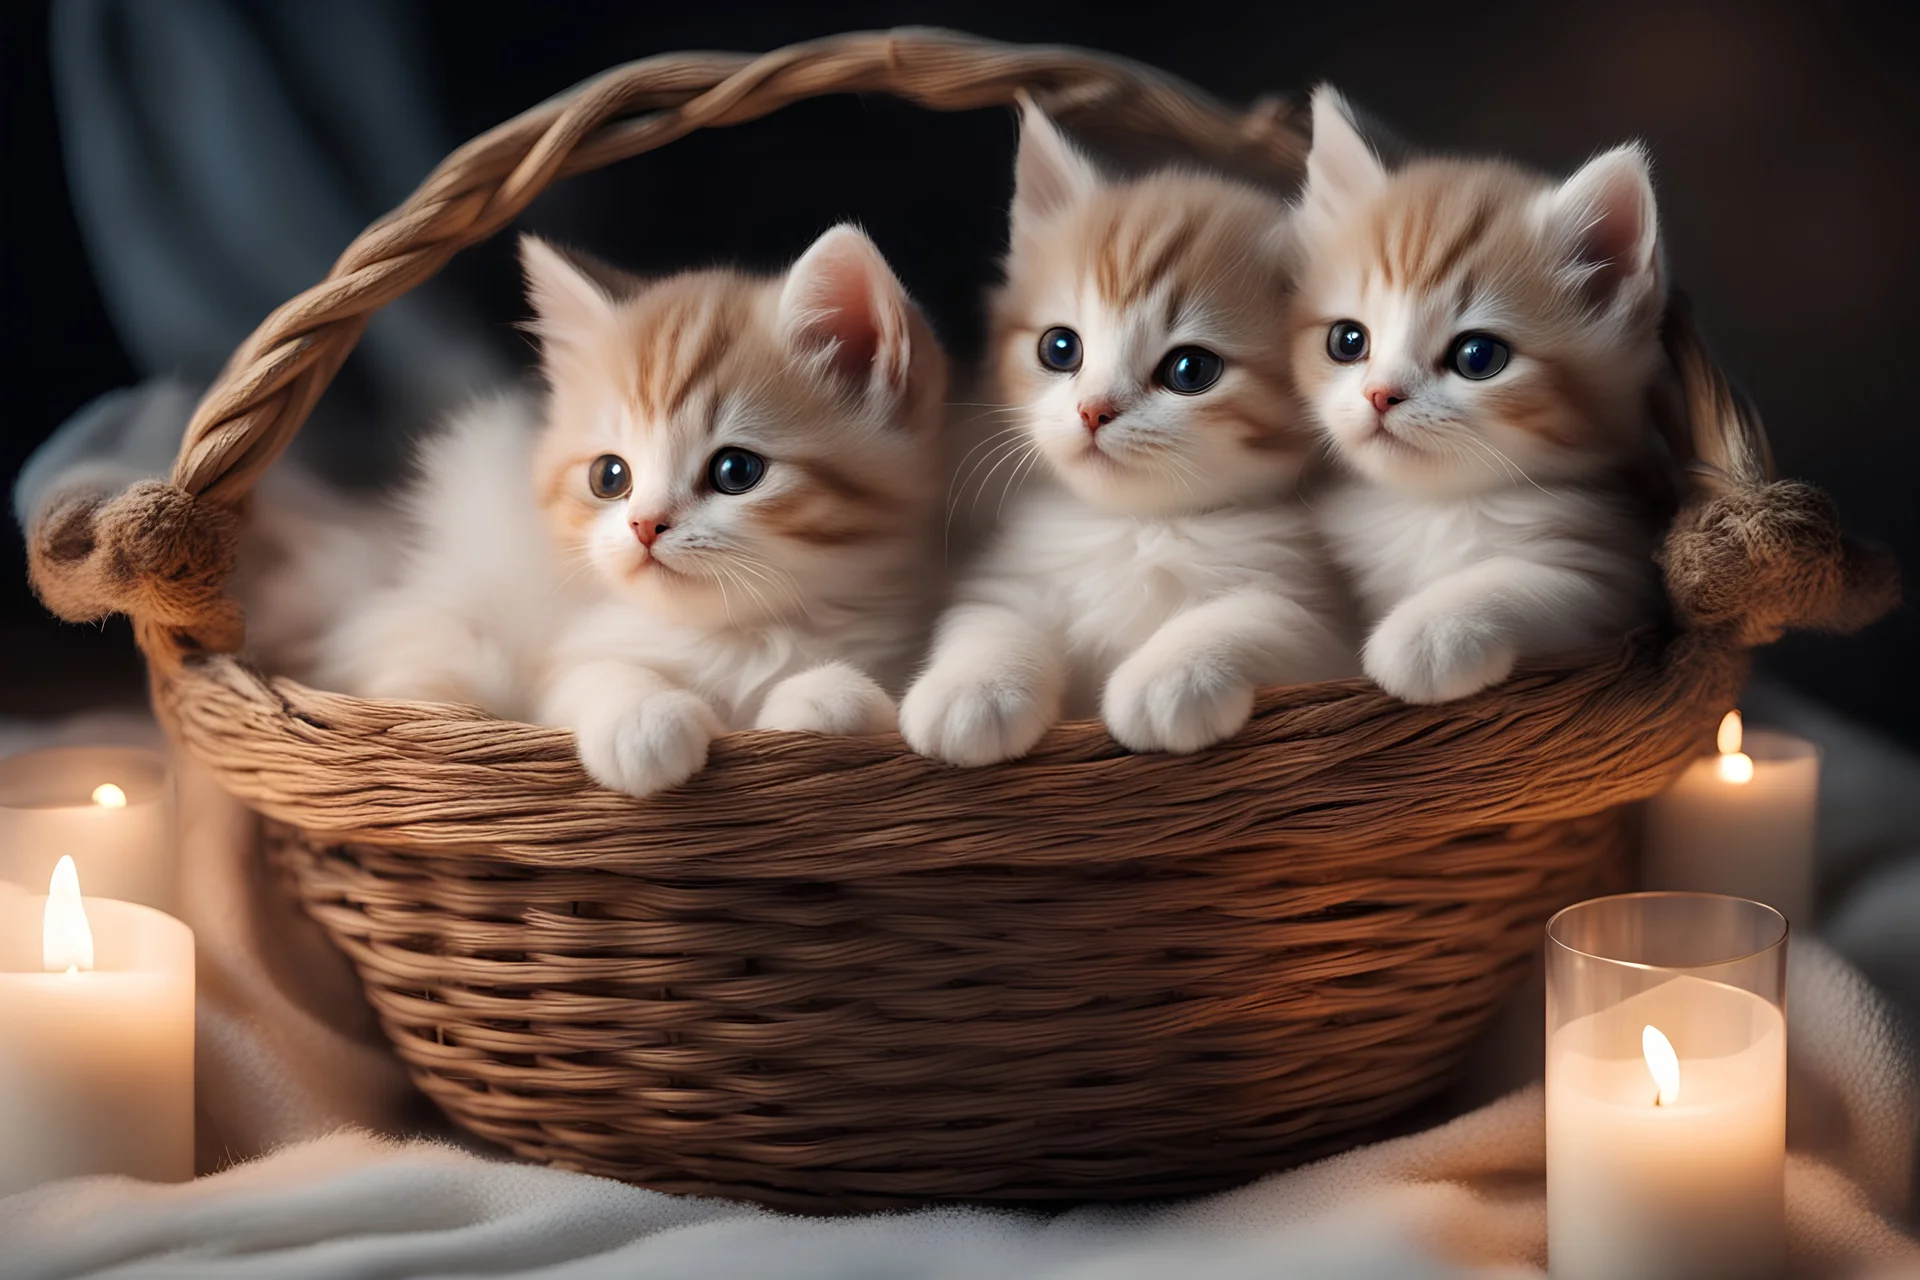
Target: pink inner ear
x=1613 y=241
x=1614 y=231
x=844 y=313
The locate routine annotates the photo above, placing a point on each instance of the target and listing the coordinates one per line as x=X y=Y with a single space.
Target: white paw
x=1421 y=657
x=1180 y=704
x=835 y=698
x=657 y=744
x=973 y=720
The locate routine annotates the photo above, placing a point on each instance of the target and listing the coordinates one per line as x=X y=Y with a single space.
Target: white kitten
x=724 y=521
x=1479 y=345
x=1153 y=570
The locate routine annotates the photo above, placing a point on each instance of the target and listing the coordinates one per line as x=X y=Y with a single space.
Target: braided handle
x=256 y=406
x=1750 y=556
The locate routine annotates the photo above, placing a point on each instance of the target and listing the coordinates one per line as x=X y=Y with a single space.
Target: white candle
x=1680 y=1183
x=1740 y=822
x=110 y=808
x=96 y=1038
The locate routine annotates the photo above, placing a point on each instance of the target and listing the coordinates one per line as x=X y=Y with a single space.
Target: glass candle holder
x=111 y=808
x=1666 y=1089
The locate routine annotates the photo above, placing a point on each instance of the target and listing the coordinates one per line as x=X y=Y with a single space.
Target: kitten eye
x=1478 y=356
x=734 y=471
x=1190 y=370
x=1347 y=341
x=1060 y=349
x=609 y=477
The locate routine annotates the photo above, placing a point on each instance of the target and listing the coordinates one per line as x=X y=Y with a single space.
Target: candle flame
x=66 y=941
x=1735 y=766
x=1663 y=1063
x=1730 y=733
x=108 y=796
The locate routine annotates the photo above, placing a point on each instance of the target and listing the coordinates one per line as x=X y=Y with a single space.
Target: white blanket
x=1464 y=1199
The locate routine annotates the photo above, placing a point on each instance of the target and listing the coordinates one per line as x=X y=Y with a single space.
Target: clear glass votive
x=112 y=808
x=1666 y=1089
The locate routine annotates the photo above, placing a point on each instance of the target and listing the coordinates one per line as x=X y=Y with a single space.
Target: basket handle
x=1750 y=557
x=258 y=403
x=162 y=551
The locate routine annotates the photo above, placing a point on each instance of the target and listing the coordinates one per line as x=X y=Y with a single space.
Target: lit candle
x=109 y=808
x=1666 y=1090
x=1740 y=822
x=96 y=1038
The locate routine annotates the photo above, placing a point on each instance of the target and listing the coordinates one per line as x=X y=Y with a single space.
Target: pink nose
x=1383 y=398
x=1095 y=414
x=649 y=528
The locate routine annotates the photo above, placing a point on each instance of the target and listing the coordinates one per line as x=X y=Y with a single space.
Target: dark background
x=1784 y=137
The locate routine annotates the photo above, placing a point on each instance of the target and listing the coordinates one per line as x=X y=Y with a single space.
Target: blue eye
x=1190 y=370
x=734 y=471
x=608 y=477
x=1060 y=349
x=1478 y=356
x=1347 y=341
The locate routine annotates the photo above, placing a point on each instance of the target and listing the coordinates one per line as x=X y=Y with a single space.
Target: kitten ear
x=843 y=303
x=1342 y=169
x=1049 y=174
x=568 y=302
x=1604 y=221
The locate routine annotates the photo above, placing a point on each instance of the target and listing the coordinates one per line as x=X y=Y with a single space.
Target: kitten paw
x=835 y=699
x=1428 y=659
x=647 y=748
x=1154 y=704
x=972 y=721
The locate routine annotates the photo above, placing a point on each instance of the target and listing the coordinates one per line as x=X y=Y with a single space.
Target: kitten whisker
x=1000 y=451
x=1016 y=450
x=1020 y=469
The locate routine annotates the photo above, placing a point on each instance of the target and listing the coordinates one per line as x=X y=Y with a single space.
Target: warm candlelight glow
x=1663 y=1063
x=66 y=940
x=1735 y=766
x=108 y=796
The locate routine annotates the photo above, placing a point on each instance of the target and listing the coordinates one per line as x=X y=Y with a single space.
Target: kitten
x=725 y=520
x=1480 y=344
x=1155 y=569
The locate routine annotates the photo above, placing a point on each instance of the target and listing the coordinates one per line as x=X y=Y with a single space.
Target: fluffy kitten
x=725 y=520
x=1155 y=569
x=1479 y=345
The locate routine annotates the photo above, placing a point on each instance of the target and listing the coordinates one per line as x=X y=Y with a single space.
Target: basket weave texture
x=830 y=974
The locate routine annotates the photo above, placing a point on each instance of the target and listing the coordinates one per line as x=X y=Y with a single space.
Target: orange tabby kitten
x=1155 y=569
x=722 y=517
x=1479 y=345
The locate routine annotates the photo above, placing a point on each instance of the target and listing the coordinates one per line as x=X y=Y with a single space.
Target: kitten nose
x=1384 y=398
x=1095 y=414
x=648 y=528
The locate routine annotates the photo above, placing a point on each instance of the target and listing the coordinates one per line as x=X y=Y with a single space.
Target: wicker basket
x=831 y=974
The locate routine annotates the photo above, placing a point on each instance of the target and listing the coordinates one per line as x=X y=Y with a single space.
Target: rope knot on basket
x=152 y=551
x=1761 y=559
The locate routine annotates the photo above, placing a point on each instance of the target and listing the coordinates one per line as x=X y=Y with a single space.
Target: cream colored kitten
x=1153 y=568
x=1479 y=345
x=721 y=518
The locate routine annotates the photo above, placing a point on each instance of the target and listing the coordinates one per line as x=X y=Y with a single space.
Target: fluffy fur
x=1486 y=519
x=645 y=606
x=1151 y=564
